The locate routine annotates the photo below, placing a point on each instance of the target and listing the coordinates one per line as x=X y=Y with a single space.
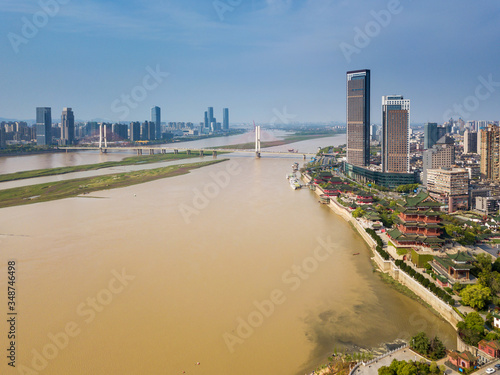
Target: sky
x=272 y=61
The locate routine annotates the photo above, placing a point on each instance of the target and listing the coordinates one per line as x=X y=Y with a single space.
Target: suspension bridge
x=161 y=149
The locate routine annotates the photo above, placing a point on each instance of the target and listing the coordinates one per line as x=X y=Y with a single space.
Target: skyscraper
x=156 y=118
x=374 y=132
x=210 y=115
x=206 y=123
x=490 y=153
x=470 y=142
x=225 y=119
x=358 y=117
x=43 y=126
x=67 y=126
x=432 y=134
x=135 y=131
x=395 y=134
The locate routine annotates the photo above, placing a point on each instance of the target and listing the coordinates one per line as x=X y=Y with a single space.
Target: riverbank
x=147 y=159
x=82 y=186
x=389 y=268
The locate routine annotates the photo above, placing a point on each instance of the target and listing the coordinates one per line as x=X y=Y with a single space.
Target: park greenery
x=410 y=368
x=358 y=212
x=384 y=254
x=433 y=349
x=487 y=287
x=475 y=296
x=442 y=294
x=471 y=329
x=406 y=188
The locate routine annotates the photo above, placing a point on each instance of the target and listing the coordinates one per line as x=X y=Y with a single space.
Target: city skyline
x=270 y=61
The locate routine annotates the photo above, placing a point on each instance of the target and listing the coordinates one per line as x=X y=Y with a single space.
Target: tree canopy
x=409 y=368
x=475 y=296
x=430 y=348
x=471 y=329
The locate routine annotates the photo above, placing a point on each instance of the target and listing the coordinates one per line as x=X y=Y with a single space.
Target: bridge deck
x=159 y=148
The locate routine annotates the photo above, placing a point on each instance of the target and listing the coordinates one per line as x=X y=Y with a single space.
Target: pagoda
x=418 y=223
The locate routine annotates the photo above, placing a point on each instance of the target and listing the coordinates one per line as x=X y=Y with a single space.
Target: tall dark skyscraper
x=225 y=119
x=67 y=127
x=358 y=117
x=207 y=124
x=432 y=134
x=156 y=118
x=395 y=134
x=43 y=126
x=210 y=115
x=135 y=131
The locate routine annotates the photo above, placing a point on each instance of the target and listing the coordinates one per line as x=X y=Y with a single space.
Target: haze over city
x=256 y=57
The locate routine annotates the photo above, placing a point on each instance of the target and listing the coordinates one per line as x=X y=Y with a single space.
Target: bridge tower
x=257 y=141
x=101 y=137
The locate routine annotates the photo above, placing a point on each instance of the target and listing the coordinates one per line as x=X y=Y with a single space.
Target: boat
x=295 y=184
x=355 y=254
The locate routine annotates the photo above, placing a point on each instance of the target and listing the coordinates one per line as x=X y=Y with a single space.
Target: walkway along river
x=258 y=279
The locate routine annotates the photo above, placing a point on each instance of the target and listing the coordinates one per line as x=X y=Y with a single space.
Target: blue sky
x=260 y=58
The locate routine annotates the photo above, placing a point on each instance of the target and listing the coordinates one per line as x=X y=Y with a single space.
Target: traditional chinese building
x=418 y=223
x=454 y=266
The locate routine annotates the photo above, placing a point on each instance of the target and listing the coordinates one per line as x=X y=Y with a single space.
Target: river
x=226 y=266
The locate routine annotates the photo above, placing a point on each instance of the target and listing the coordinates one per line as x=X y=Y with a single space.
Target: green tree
x=420 y=343
x=496 y=265
x=475 y=296
x=483 y=262
x=358 y=212
x=437 y=349
x=471 y=329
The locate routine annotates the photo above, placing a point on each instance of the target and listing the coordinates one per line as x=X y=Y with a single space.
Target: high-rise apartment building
x=120 y=132
x=67 y=127
x=395 y=134
x=490 y=153
x=43 y=126
x=156 y=119
x=358 y=117
x=135 y=131
x=470 y=142
x=225 y=119
x=441 y=155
